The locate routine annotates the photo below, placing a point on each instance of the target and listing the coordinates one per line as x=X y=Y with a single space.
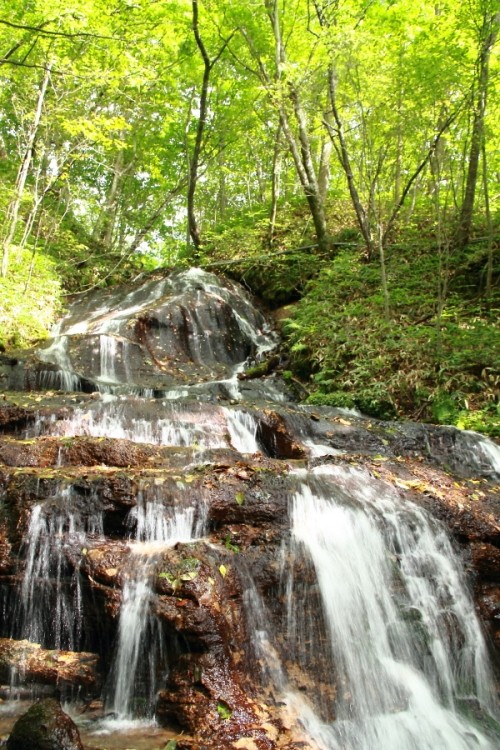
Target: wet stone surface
x=172 y=517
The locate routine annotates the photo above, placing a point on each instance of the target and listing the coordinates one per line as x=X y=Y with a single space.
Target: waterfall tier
x=181 y=543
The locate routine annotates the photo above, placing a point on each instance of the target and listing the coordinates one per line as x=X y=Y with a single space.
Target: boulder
x=45 y=726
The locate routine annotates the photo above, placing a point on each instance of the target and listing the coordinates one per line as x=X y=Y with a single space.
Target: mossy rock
x=45 y=726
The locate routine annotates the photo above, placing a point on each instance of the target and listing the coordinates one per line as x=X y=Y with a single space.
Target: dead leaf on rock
x=245 y=743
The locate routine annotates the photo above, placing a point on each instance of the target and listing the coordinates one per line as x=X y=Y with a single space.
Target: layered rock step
x=174 y=535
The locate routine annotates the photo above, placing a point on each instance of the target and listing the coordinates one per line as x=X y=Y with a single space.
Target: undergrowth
x=30 y=299
x=435 y=357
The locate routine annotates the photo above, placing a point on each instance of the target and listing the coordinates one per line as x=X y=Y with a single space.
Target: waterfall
x=168 y=423
x=204 y=322
x=402 y=638
x=49 y=606
x=242 y=428
x=139 y=650
x=108 y=349
x=207 y=575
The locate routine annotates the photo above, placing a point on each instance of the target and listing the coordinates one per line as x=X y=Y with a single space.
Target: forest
x=341 y=158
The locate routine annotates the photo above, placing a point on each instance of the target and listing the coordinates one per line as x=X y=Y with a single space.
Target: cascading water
x=358 y=613
x=204 y=322
x=108 y=348
x=140 y=642
x=49 y=607
x=403 y=640
x=242 y=428
x=172 y=424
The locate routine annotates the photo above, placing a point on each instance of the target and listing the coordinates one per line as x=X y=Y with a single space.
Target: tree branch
x=418 y=170
x=66 y=34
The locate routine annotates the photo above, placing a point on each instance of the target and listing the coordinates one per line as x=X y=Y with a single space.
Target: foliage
x=277 y=270
x=30 y=299
x=185 y=571
x=421 y=363
x=99 y=115
x=223 y=710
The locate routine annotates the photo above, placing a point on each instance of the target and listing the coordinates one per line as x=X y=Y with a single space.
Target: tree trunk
x=325 y=167
x=337 y=134
x=194 y=163
x=489 y=229
x=193 y=230
x=275 y=183
x=383 y=275
x=104 y=229
x=488 y=36
x=22 y=175
x=301 y=149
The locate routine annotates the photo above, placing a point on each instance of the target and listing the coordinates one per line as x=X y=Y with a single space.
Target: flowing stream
x=379 y=646
x=139 y=633
x=403 y=639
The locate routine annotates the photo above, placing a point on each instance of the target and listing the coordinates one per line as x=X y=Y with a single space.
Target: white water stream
x=386 y=614
x=49 y=611
x=157 y=528
x=405 y=644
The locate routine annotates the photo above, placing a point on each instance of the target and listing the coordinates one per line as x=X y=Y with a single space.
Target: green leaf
x=240 y=498
x=189 y=576
x=223 y=710
x=167 y=575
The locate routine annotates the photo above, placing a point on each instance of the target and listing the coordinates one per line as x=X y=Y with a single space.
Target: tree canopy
x=136 y=134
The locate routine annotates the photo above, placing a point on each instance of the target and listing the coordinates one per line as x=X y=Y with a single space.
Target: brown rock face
x=45 y=726
x=146 y=486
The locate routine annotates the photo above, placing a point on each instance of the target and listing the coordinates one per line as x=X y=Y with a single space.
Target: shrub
x=30 y=298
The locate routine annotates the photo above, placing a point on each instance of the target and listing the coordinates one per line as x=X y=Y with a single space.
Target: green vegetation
x=223 y=710
x=30 y=298
x=436 y=357
x=425 y=362
x=339 y=157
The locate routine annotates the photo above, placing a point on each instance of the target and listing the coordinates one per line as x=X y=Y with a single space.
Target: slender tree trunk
x=22 y=175
x=336 y=133
x=489 y=228
x=300 y=146
x=221 y=202
x=193 y=229
x=325 y=167
x=489 y=34
x=105 y=225
x=383 y=274
x=275 y=183
x=311 y=187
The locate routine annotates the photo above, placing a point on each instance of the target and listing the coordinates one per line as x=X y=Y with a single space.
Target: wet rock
x=104 y=563
x=48 y=667
x=464 y=453
x=45 y=726
x=157 y=333
x=6 y=561
x=488 y=597
x=485 y=560
x=13 y=416
x=95 y=465
x=276 y=439
x=252 y=494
